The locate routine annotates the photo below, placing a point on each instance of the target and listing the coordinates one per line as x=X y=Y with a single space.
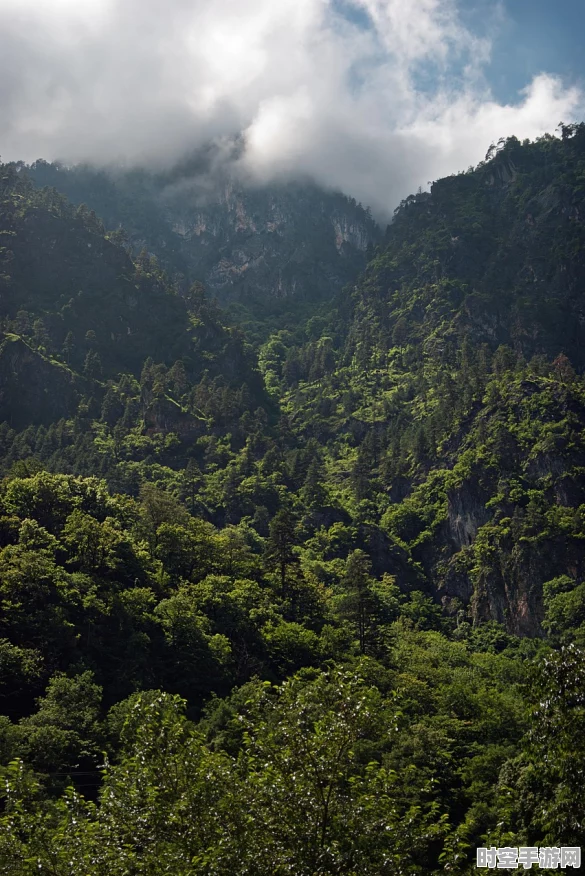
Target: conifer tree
x=358 y=603
x=92 y=367
x=68 y=347
x=280 y=554
x=313 y=492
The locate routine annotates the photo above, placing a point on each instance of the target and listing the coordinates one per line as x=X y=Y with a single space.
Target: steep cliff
x=247 y=243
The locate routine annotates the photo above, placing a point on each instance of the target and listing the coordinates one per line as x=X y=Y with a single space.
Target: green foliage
x=317 y=605
x=297 y=796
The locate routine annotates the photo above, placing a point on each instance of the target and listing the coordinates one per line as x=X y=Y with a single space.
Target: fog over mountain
x=374 y=97
x=292 y=442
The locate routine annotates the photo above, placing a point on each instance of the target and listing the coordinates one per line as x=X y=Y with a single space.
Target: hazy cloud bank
x=371 y=96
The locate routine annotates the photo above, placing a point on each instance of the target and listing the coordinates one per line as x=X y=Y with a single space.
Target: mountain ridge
x=248 y=244
x=347 y=533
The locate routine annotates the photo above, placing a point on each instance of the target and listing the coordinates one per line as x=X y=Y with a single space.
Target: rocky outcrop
x=350 y=233
x=511 y=590
x=466 y=513
x=272 y=242
x=246 y=243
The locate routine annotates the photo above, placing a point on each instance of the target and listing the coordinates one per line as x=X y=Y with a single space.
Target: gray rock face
x=246 y=244
x=466 y=513
x=272 y=242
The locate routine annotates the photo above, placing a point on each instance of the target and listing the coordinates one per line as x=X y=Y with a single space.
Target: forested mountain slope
x=320 y=601
x=450 y=407
x=252 y=246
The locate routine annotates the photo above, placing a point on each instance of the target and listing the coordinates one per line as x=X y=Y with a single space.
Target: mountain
x=253 y=246
x=495 y=253
x=312 y=576
x=86 y=329
x=454 y=410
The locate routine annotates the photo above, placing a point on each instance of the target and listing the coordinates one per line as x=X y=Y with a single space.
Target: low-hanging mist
x=374 y=97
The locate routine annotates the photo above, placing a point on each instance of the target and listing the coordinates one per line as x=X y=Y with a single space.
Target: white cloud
x=315 y=91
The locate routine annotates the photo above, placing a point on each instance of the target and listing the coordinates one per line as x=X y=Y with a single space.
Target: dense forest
x=303 y=597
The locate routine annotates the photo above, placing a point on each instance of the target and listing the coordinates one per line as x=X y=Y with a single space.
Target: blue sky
x=535 y=36
x=528 y=37
x=399 y=93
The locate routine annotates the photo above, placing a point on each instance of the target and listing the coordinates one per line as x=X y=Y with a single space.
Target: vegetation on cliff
x=314 y=605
